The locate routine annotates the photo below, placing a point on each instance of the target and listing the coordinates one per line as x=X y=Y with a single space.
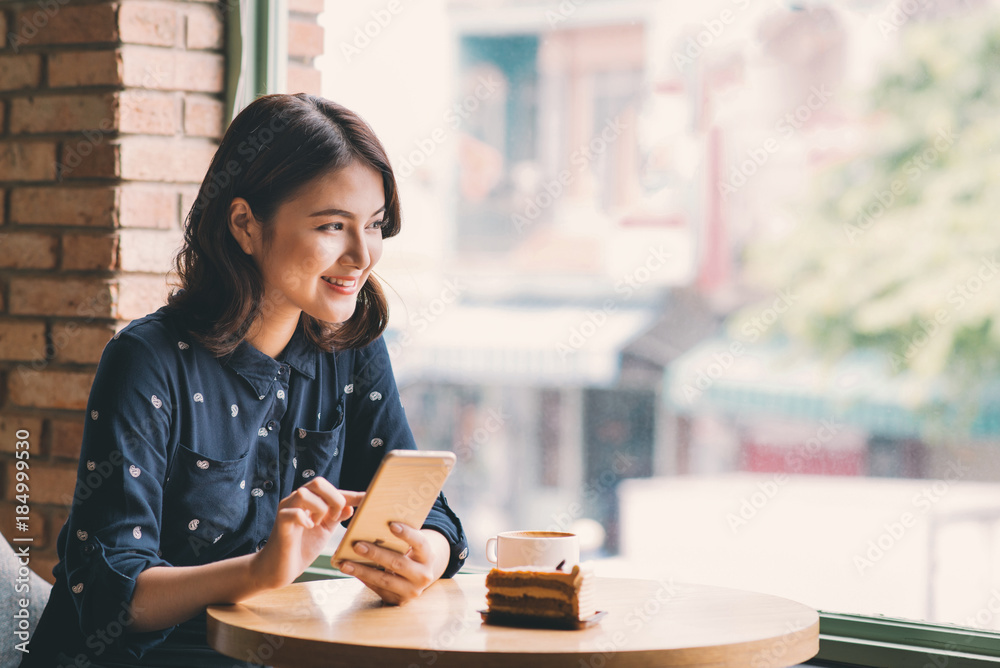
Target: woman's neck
x=271 y=332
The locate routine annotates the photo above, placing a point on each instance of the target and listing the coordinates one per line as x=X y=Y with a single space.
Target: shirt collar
x=261 y=370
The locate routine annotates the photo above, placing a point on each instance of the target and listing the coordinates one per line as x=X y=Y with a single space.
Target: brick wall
x=109 y=115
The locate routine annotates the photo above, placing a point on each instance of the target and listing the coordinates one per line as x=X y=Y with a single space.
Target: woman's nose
x=356 y=249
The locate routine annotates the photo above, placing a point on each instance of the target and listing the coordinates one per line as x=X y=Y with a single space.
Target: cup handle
x=491 y=550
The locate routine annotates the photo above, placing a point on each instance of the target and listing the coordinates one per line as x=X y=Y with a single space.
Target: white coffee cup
x=545 y=549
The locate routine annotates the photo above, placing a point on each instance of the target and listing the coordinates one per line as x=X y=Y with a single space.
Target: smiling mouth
x=341 y=282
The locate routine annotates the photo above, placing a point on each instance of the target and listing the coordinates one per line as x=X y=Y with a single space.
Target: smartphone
x=404 y=489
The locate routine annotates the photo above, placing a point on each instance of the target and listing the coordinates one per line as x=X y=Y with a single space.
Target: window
x=718 y=279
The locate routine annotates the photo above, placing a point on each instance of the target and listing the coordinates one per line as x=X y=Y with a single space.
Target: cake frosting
x=542 y=592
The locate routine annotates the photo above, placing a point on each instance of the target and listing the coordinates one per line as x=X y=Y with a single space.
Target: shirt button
x=88 y=548
x=464 y=553
x=268 y=484
x=271 y=425
x=281 y=370
x=261 y=544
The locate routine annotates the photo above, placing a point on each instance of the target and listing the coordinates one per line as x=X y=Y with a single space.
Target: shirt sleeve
x=113 y=531
x=376 y=423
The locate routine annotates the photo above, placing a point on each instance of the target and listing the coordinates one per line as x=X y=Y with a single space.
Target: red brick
x=22 y=340
x=66 y=390
x=73 y=297
x=23 y=71
x=154 y=23
x=302 y=79
x=306 y=6
x=305 y=39
x=203 y=116
x=85 y=252
x=140 y=295
x=149 y=112
x=36 y=519
x=77 y=343
x=27 y=161
x=80 y=24
x=63 y=113
x=85 y=68
x=189 y=195
x=149 y=250
x=66 y=438
x=148 y=206
x=49 y=483
x=167 y=69
x=165 y=159
x=84 y=160
x=93 y=207
x=28 y=250
x=204 y=28
x=11 y=424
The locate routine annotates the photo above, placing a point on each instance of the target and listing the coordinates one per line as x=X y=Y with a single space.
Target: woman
x=229 y=432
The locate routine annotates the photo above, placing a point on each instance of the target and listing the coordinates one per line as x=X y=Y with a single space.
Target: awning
x=776 y=380
x=509 y=345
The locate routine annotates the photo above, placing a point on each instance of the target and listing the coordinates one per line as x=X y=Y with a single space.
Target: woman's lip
x=348 y=289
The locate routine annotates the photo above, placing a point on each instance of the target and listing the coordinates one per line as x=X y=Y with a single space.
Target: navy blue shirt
x=185 y=457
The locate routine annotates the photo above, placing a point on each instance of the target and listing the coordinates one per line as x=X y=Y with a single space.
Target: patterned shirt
x=185 y=457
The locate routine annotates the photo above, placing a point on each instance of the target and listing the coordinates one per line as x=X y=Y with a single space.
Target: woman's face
x=324 y=242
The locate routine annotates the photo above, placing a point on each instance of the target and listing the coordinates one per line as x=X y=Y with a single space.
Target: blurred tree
x=898 y=250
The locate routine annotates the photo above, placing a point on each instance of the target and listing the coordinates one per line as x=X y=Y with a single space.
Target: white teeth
x=340 y=281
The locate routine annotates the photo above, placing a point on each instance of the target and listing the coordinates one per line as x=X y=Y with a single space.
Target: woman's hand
x=306 y=519
x=406 y=576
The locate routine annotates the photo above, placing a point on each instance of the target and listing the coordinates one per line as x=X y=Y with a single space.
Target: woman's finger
x=313 y=503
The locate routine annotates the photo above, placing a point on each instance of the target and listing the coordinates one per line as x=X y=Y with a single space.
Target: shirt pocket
x=205 y=502
x=317 y=453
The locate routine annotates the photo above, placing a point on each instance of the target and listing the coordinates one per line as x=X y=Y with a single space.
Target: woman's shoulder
x=159 y=335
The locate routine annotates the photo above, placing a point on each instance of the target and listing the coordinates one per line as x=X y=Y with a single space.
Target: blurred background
x=714 y=285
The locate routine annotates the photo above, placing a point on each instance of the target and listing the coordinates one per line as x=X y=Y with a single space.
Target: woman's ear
x=243 y=226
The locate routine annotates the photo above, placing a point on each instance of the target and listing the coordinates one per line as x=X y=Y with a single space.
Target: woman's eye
x=377 y=225
x=332 y=226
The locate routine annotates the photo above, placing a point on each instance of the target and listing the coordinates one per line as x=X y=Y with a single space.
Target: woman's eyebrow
x=341 y=212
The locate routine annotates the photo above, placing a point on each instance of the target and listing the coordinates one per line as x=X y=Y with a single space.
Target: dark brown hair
x=275 y=146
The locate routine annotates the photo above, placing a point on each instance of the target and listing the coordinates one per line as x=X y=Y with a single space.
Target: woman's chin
x=332 y=316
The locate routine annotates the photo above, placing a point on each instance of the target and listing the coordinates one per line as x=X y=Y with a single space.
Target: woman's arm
x=168 y=595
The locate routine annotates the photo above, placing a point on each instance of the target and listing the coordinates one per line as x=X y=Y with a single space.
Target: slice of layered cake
x=566 y=598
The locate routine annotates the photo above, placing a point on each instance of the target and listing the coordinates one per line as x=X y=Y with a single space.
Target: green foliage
x=897 y=249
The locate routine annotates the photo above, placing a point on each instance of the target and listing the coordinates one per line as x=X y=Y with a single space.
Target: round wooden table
x=648 y=623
